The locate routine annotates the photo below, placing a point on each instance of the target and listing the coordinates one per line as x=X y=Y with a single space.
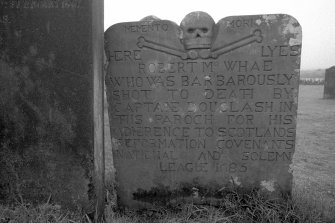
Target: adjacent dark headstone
x=46 y=121
x=200 y=108
x=329 y=88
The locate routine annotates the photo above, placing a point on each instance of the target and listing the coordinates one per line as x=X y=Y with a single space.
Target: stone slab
x=46 y=102
x=200 y=108
x=329 y=87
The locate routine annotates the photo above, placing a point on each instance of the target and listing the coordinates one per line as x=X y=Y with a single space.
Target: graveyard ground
x=313 y=191
x=314 y=158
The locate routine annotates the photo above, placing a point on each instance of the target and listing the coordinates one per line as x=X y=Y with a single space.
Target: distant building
x=329 y=86
x=312 y=81
x=312 y=77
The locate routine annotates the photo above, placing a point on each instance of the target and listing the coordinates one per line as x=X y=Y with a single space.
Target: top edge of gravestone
x=150 y=18
x=330 y=68
x=268 y=18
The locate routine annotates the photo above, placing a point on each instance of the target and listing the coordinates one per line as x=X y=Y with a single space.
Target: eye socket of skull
x=190 y=30
x=204 y=30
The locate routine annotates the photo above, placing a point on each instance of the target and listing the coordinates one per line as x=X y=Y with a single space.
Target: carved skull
x=197 y=30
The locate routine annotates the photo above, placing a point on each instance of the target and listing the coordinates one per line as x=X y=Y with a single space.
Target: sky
x=316 y=17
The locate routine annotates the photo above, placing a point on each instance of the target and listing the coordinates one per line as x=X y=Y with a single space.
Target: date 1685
x=230 y=167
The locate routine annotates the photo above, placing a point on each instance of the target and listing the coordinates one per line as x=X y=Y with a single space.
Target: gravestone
x=329 y=88
x=46 y=122
x=202 y=108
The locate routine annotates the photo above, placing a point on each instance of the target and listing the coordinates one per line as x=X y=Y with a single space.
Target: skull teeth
x=197 y=43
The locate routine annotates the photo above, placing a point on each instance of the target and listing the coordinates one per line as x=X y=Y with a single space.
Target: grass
x=314 y=157
x=41 y=213
x=234 y=207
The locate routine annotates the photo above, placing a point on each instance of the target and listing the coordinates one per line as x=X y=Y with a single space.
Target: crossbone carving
x=142 y=42
x=256 y=36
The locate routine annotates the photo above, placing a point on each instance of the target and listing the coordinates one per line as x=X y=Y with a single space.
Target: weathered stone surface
x=201 y=107
x=46 y=123
x=329 y=87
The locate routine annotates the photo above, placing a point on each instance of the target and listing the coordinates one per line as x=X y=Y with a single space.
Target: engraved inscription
x=41 y=4
x=146 y=27
x=125 y=55
x=5 y=19
x=189 y=121
x=241 y=23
